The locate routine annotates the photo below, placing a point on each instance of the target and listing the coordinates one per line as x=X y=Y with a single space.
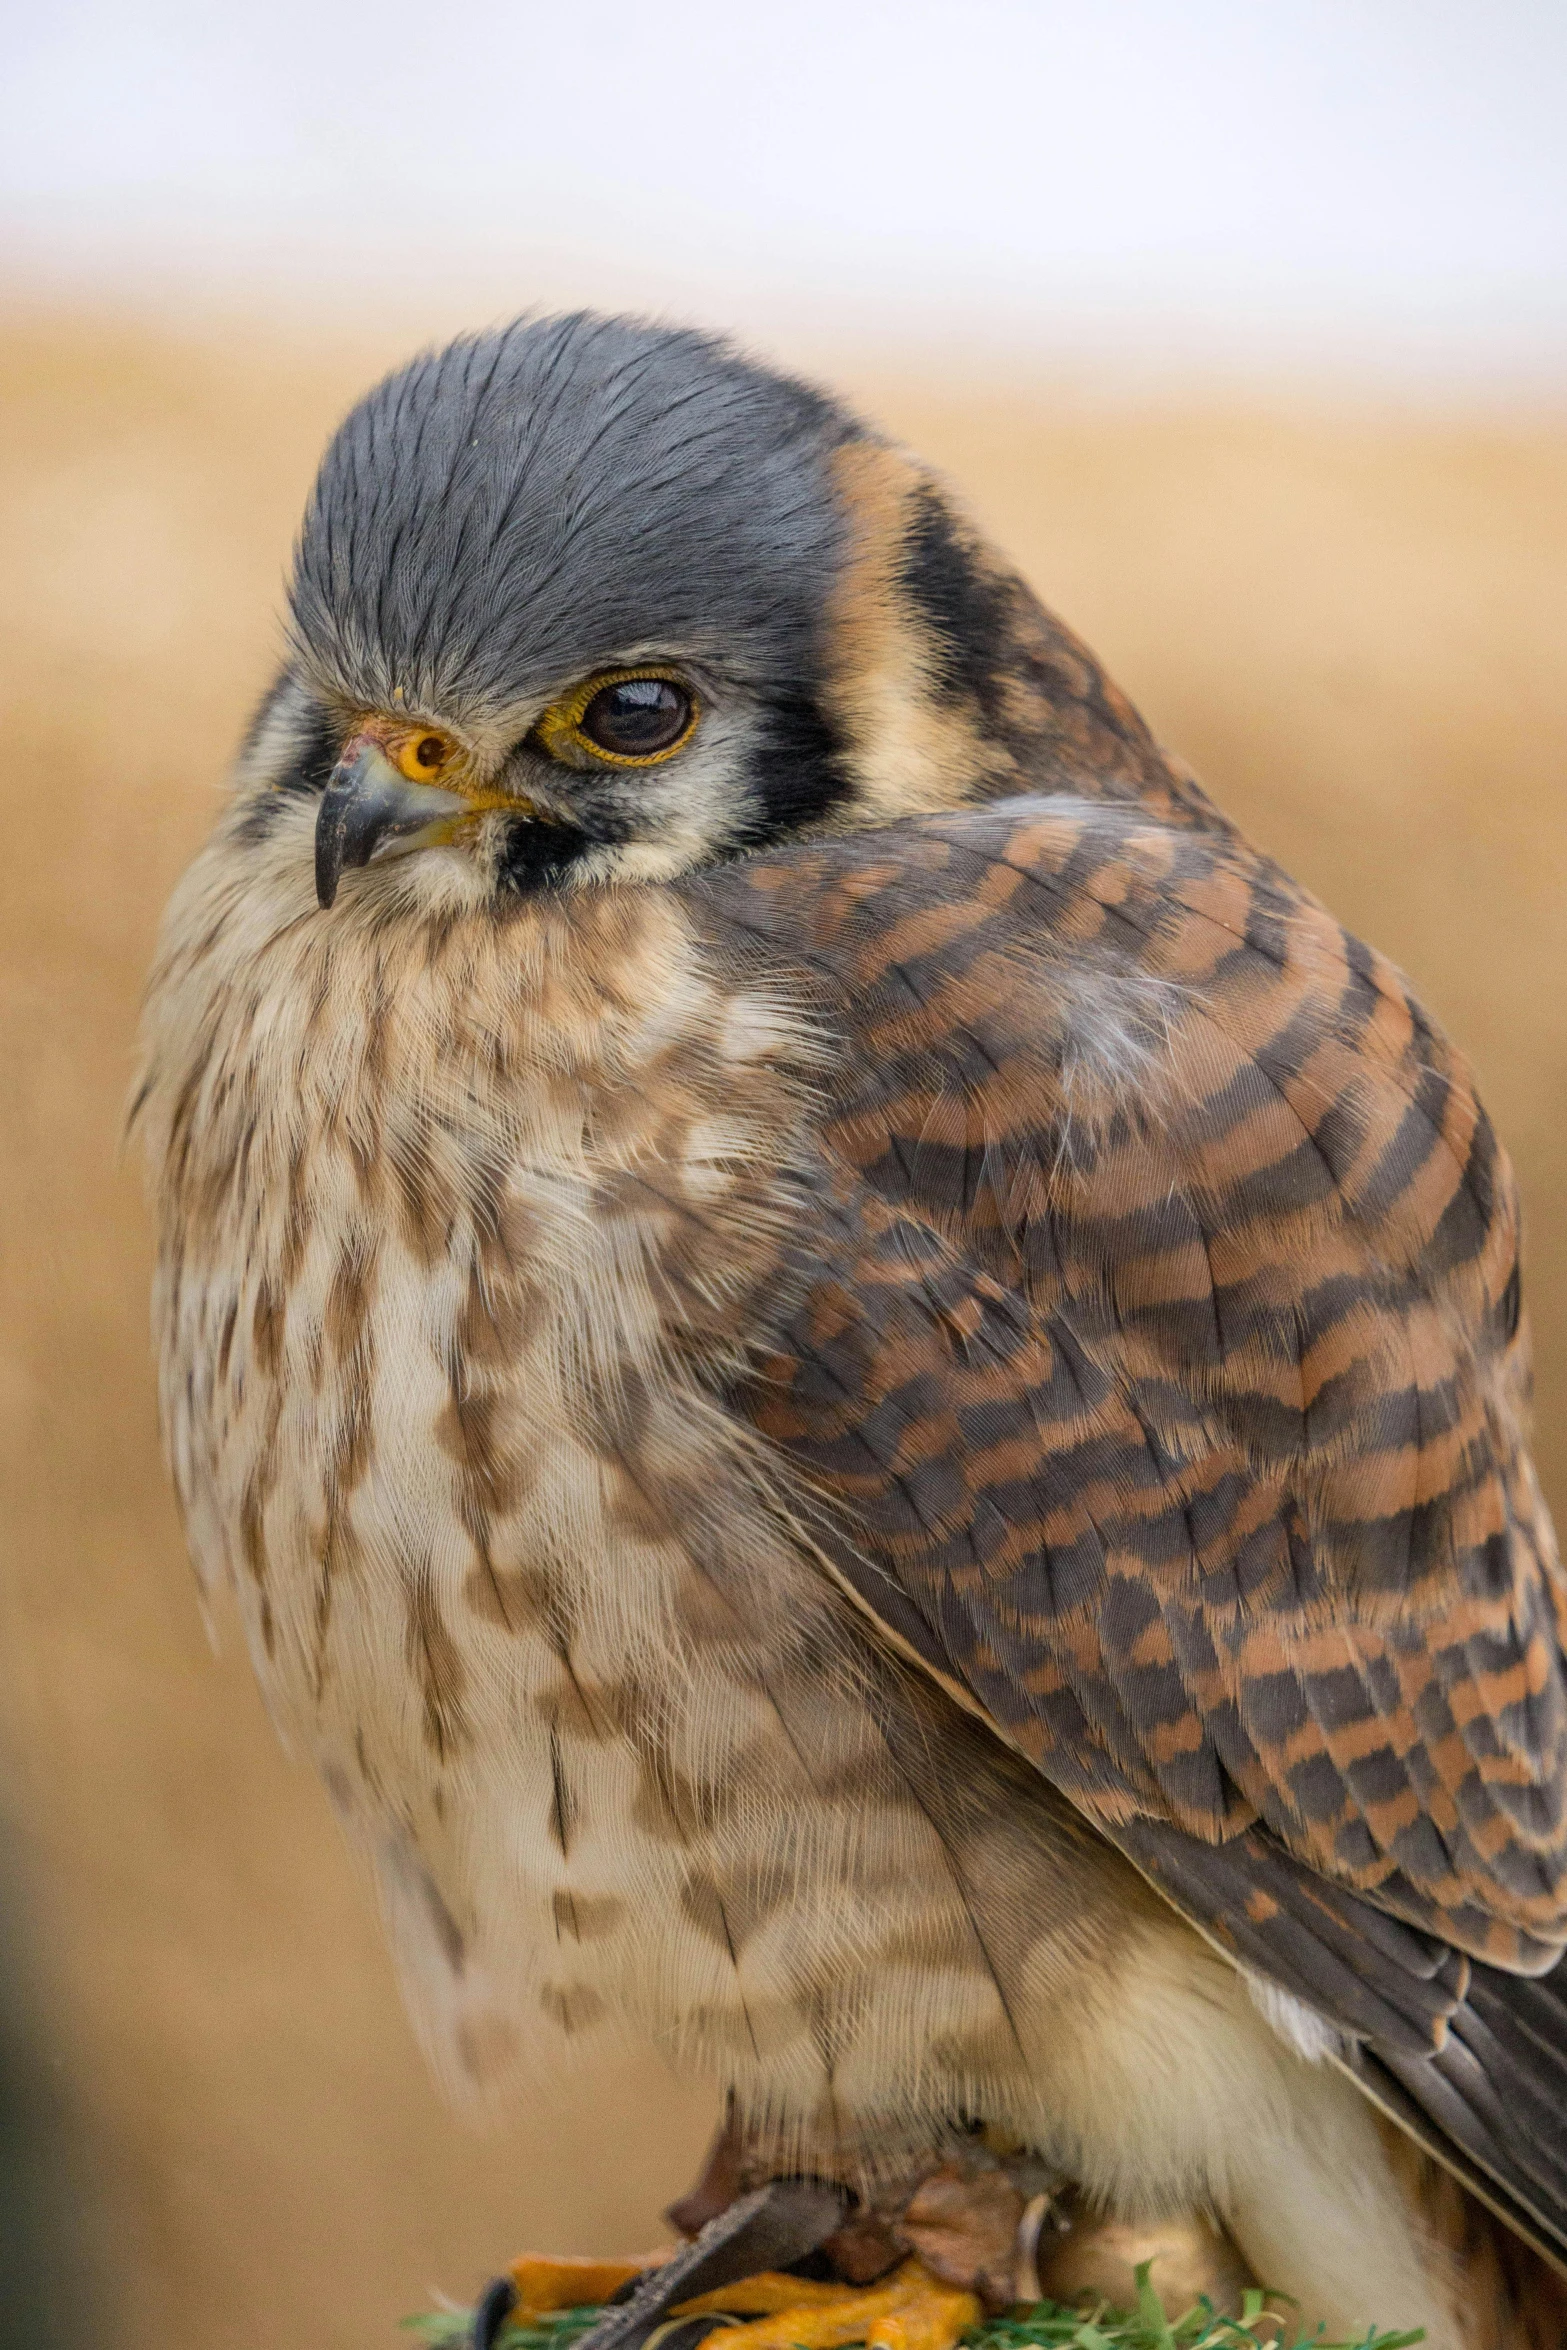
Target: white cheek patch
x=644 y=860
x=680 y=813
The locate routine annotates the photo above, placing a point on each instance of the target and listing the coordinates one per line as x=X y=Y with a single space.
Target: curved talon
x=762 y=2230
x=493 y=2307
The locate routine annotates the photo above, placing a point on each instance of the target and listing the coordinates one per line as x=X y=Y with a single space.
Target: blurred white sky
x=1354 y=185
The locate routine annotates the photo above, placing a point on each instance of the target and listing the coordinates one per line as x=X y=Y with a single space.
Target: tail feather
x=1491 y=2103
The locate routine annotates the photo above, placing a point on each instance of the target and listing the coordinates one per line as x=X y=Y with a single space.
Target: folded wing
x=1155 y=1348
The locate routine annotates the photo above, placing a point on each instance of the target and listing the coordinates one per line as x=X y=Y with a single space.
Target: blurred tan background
x=1353 y=625
x=1244 y=329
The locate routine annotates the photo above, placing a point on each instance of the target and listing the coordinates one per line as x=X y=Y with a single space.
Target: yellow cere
x=428 y=754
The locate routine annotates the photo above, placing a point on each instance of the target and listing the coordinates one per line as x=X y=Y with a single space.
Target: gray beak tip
x=365 y=803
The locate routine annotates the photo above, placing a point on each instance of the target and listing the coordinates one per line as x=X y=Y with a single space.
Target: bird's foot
x=757 y=2233
x=910 y=2310
x=543 y=2281
x=539 y=2282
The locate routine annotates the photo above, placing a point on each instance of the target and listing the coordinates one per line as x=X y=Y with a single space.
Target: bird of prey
x=863 y=1383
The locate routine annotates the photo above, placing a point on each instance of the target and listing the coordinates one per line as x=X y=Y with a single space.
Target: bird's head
x=588 y=600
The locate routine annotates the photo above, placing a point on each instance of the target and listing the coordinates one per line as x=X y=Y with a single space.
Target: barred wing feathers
x=1155 y=1332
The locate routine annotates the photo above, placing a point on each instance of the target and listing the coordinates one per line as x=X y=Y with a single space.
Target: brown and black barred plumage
x=864 y=1384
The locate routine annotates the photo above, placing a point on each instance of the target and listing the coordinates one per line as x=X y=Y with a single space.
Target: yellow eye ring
x=607 y=722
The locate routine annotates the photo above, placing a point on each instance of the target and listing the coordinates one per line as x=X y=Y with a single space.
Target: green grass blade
x=1047 y=2325
x=1150 y=2310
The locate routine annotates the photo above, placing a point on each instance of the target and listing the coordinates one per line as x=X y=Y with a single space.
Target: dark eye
x=637 y=718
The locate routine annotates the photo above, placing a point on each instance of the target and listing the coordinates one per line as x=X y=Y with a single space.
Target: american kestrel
x=863 y=1384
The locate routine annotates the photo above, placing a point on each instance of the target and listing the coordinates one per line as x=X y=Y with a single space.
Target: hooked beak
x=366 y=803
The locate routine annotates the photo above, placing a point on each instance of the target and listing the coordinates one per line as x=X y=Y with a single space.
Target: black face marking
x=310 y=768
x=795 y=774
x=969 y=616
x=317 y=744
x=538 y=856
